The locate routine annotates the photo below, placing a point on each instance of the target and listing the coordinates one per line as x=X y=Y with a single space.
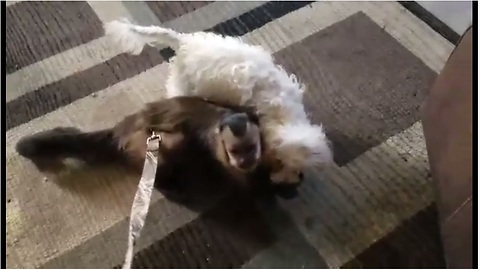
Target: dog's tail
x=133 y=38
x=65 y=142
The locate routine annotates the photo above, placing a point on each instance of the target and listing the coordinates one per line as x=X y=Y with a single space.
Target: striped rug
x=368 y=67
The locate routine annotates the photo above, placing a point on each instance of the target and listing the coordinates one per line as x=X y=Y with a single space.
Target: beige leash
x=141 y=202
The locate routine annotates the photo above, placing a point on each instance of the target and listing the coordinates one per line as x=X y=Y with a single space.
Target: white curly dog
x=229 y=71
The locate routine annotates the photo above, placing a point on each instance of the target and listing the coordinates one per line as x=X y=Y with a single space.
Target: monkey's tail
x=67 y=142
x=133 y=38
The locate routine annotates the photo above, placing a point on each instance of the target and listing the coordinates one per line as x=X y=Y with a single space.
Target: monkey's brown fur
x=190 y=137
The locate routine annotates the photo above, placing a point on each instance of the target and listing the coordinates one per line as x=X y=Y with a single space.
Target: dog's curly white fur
x=227 y=70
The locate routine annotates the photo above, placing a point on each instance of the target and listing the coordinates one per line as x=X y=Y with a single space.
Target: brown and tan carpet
x=368 y=67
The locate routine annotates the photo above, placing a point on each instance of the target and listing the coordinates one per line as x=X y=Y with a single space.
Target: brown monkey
x=194 y=132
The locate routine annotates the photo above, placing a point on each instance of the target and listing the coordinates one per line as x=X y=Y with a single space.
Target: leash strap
x=141 y=202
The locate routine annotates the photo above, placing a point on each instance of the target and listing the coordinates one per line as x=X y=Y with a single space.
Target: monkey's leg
x=49 y=149
x=168 y=183
x=169 y=167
